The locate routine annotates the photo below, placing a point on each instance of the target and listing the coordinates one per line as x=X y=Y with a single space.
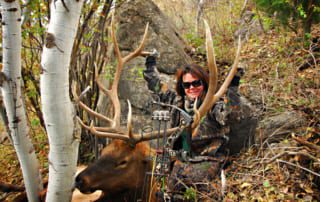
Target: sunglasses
x=195 y=83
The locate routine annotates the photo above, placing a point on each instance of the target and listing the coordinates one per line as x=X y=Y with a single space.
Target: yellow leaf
x=245 y=185
x=308 y=190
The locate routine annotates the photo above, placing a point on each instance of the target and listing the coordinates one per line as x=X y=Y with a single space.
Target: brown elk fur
x=119 y=173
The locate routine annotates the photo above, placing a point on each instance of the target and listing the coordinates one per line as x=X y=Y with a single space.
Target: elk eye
x=122 y=163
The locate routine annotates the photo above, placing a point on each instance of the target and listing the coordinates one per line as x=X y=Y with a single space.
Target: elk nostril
x=82 y=183
x=79 y=182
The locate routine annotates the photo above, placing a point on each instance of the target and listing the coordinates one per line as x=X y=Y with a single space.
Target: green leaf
x=190 y=194
x=266 y=184
x=35 y=122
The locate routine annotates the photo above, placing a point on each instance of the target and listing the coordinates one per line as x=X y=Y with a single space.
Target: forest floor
x=287 y=75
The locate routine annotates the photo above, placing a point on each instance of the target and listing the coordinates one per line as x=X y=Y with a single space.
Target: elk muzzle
x=82 y=183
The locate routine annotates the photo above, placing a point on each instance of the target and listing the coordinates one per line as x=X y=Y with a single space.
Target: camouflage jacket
x=214 y=129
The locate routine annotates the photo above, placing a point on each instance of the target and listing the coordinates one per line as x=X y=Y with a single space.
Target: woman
x=205 y=150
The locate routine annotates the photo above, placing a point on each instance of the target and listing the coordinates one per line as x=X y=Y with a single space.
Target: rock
x=253 y=94
x=242 y=131
x=277 y=127
x=131 y=19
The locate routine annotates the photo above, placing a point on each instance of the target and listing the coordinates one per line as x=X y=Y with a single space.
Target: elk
x=120 y=171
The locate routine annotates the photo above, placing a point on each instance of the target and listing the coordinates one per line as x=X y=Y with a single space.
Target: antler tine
x=115 y=122
x=129 y=121
x=155 y=134
x=138 y=51
x=135 y=138
x=103 y=89
x=196 y=118
x=115 y=42
x=114 y=130
x=82 y=124
x=114 y=135
x=213 y=73
x=104 y=134
x=121 y=61
x=87 y=109
x=232 y=72
x=113 y=93
x=212 y=97
x=93 y=113
x=100 y=129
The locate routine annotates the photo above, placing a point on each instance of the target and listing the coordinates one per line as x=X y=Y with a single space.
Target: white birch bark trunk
x=199 y=14
x=58 y=111
x=12 y=96
x=26 y=11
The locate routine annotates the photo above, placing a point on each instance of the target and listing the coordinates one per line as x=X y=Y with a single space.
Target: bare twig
x=274 y=158
x=277 y=72
x=304 y=154
x=243 y=7
x=291 y=153
x=312 y=55
x=245 y=166
x=298 y=166
x=306 y=143
x=262 y=95
x=223 y=183
x=260 y=20
x=261 y=145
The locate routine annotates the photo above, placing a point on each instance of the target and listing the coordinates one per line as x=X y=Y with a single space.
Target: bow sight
x=164 y=148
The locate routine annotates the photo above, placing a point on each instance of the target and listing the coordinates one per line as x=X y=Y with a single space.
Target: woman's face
x=193 y=86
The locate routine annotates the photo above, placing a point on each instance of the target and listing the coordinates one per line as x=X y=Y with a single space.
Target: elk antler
x=211 y=97
x=113 y=92
x=114 y=130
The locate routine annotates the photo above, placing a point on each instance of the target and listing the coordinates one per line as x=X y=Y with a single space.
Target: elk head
x=121 y=167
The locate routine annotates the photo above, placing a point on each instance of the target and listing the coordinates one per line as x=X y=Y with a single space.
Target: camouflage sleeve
x=223 y=108
x=215 y=126
x=210 y=136
x=152 y=76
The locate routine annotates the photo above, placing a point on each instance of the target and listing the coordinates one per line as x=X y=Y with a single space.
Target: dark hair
x=195 y=70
